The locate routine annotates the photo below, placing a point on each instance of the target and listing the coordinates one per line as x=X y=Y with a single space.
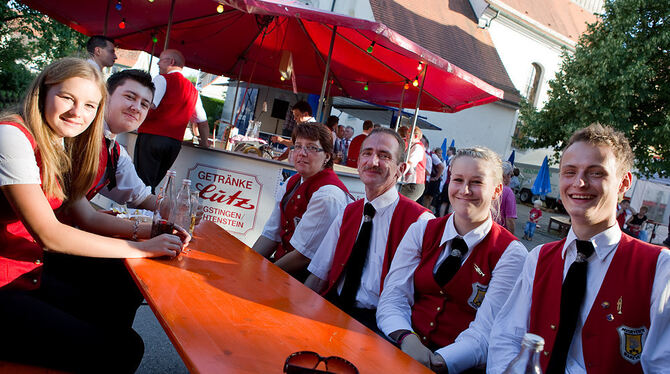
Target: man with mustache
x=350 y=265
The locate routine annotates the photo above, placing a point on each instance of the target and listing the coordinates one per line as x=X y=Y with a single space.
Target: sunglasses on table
x=306 y=362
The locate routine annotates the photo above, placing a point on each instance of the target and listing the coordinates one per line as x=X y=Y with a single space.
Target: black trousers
x=73 y=322
x=154 y=155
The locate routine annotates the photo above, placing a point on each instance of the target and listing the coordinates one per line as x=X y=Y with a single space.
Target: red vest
x=354 y=150
x=407 y=211
x=101 y=179
x=20 y=254
x=420 y=169
x=293 y=209
x=175 y=110
x=621 y=219
x=439 y=314
x=612 y=342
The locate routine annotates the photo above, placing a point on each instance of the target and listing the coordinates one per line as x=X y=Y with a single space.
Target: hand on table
x=162 y=245
x=183 y=235
x=437 y=364
x=413 y=347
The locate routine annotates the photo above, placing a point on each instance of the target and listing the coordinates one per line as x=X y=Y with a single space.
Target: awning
x=381 y=114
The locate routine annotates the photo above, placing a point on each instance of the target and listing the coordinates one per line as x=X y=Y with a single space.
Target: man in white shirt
x=101 y=51
x=599 y=298
x=347 y=269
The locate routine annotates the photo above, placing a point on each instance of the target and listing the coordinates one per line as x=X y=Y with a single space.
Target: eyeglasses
x=306 y=148
x=305 y=362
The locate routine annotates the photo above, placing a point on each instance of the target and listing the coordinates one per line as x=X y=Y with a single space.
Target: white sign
x=230 y=198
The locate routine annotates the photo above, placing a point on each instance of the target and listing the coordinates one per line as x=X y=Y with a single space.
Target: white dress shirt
x=395 y=304
x=513 y=320
x=17 y=158
x=326 y=203
x=367 y=295
x=161 y=86
x=130 y=189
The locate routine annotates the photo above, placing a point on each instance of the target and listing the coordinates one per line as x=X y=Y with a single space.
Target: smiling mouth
x=581 y=197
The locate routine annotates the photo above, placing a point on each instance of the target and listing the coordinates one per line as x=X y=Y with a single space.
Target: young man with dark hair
x=599 y=297
x=101 y=51
x=350 y=264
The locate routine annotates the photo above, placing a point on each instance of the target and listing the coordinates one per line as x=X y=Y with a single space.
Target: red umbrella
x=244 y=39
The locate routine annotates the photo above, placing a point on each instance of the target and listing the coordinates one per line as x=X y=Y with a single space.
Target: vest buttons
x=34 y=280
x=546 y=353
x=38 y=261
x=424 y=338
x=432 y=324
x=553 y=327
x=298 y=196
x=439 y=308
x=441 y=292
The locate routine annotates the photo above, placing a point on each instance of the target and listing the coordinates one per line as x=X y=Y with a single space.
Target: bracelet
x=136 y=226
x=403 y=336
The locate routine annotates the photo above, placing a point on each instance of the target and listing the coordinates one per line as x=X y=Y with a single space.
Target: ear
x=626 y=182
x=497 y=191
x=402 y=168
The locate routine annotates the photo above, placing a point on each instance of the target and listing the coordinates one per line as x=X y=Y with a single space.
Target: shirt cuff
x=318 y=271
x=394 y=323
x=458 y=356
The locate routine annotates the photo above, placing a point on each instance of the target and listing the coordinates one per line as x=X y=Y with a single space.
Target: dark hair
x=97 y=41
x=303 y=106
x=401 y=142
x=424 y=139
x=332 y=121
x=367 y=125
x=139 y=76
x=317 y=132
x=600 y=135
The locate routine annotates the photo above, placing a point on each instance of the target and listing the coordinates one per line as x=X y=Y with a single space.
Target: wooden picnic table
x=563 y=225
x=227 y=309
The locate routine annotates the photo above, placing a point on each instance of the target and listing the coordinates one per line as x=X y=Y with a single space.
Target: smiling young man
x=599 y=298
x=350 y=265
x=130 y=95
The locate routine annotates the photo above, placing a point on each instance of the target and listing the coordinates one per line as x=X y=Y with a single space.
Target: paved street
x=541 y=236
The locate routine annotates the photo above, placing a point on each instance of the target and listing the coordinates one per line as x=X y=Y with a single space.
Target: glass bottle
x=161 y=222
x=181 y=215
x=196 y=210
x=528 y=359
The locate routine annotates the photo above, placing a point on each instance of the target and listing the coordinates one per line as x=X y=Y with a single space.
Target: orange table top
x=227 y=309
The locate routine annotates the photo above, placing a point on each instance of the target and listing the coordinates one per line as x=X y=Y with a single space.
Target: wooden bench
x=563 y=225
x=227 y=309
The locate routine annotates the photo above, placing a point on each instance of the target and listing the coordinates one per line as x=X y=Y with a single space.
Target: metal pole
x=151 y=58
x=325 y=75
x=416 y=113
x=234 y=110
x=104 y=30
x=169 y=26
x=402 y=96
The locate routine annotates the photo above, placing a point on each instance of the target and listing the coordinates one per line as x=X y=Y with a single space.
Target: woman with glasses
x=311 y=199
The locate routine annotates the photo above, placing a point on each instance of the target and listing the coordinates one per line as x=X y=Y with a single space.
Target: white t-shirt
x=17 y=158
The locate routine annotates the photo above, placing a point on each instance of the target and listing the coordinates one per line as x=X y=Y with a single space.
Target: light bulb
x=154 y=39
x=365 y=88
x=122 y=24
x=219 y=8
x=415 y=82
x=406 y=86
x=420 y=66
x=151 y=1
x=118 y=5
x=281 y=78
x=371 y=47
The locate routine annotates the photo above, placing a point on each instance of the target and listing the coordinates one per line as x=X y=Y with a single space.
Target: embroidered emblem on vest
x=478 y=293
x=296 y=221
x=631 y=342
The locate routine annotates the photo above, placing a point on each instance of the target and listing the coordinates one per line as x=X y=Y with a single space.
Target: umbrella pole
x=325 y=75
x=402 y=96
x=237 y=89
x=151 y=58
x=169 y=26
x=104 y=30
x=416 y=114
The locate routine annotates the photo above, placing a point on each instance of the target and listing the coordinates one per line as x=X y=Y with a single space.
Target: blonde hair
x=59 y=178
x=485 y=154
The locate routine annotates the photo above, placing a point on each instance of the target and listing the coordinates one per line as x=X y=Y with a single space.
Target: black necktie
x=450 y=266
x=112 y=161
x=572 y=296
x=359 y=255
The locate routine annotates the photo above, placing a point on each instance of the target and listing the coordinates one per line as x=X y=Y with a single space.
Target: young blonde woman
x=49 y=153
x=451 y=271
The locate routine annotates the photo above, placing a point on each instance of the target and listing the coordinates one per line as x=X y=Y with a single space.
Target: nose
x=136 y=105
x=579 y=180
x=465 y=188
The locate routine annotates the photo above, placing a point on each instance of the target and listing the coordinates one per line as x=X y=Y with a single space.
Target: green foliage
x=28 y=42
x=618 y=76
x=213 y=107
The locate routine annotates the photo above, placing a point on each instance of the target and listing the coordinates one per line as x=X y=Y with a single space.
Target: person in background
x=101 y=52
x=432 y=177
x=355 y=146
x=302 y=113
x=598 y=297
x=175 y=103
x=507 y=216
x=533 y=218
x=49 y=153
x=623 y=212
x=415 y=175
x=514 y=182
x=451 y=275
x=636 y=221
x=345 y=143
x=444 y=186
x=311 y=199
x=366 y=252
x=332 y=124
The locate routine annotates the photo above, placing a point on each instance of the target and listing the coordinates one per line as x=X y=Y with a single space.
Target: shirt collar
x=384 y=200
x=92 y=62
x=603 y=242
x=174 y=71
x=108 y=134
x=472 y=238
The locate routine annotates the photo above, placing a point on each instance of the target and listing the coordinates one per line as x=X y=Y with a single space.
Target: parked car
x=528 y=172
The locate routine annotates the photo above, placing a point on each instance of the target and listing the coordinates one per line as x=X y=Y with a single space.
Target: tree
x=29 y=41
x=619 y=75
